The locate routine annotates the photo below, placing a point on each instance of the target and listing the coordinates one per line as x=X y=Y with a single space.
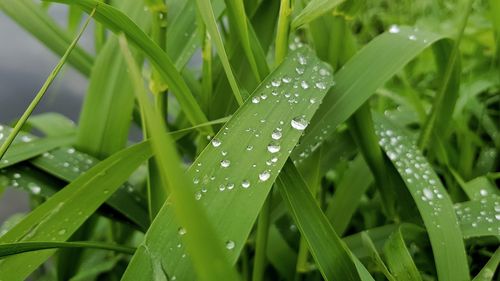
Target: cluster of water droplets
x=423 y=183
x=395 y=29
x=484 y=210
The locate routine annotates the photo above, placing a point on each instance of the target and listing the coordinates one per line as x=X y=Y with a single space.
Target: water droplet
x=197 y=195
x=412 y=37
x=302 y=60
x=299 y=123
x=299 y=70
x=245 y=184
x=255 y=100
x=264 y=176
x=225 y=163
x=230 y=244
x=394 y=29
x=276 y=83
x=62 y=231
x=324 y=72
x=304 y=85
x=312 y=100
x=17 y=175
x=230 y=186
x=181 y=231
x=35 y=189
x=276 y=135
x=273 y=147
x=428 y=193
x=320 y=85
x=249 y=147
x=216 y=143
x=483 y=192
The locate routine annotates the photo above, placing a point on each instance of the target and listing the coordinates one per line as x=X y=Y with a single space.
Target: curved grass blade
x=38 y=23
x=116 y=21
x=399 y=259
x=10 y=249
x=63 y=213
x=331 y=255
x=313 y=10
x=234 y=174
x=202 y=243
x=488 y=271
x=480 y=217
x=366 y=71
x=431 y=198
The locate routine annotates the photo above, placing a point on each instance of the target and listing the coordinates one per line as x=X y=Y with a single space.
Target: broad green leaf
x=330 y=253
x=255 y=142
x=313 y=10
x=37 y=22
x=75 y=203
x=198 y=234
x=23 y=247
x=119 y=22
x=431 y=198
x=364 y=73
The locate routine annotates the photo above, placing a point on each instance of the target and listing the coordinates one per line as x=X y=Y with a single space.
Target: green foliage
x=282 y=140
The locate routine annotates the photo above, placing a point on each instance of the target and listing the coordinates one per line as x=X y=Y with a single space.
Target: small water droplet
x=412 y=37
x=255 y=99
x=428 y=193
x=197 y=195
x=276 y=135
x=225 y=163
x=394 y=29
x=273 y=147
x=299 y=123
x=264 y=176
x=216 y=143
x=320 y=85
x=181 y=231
x=245 y=184
x=304 y=85
x=230 y=244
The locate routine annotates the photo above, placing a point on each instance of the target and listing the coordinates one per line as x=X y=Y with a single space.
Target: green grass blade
x=244 y=145
x=119 y=22
x=479 y=218
x=330 y=253
x=399 y=259
x=488 y=271
x=202 y=243
x=346 y=198
x=67 y=164
x=24 y=247
x=313 y=10
x=26 y=150
x=52 y=124
x=38 y=23
x=361 y=76
x=207 y=13
x=20 y=123
x=431 y=198
x=75 y=203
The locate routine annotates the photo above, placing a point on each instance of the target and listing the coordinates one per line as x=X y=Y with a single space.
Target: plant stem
x=159 y=35
x=282 y=32
x=43 y=90
x=259 y=264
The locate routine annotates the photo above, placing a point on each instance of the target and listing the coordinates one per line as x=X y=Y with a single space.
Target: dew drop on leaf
x=299 y=123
